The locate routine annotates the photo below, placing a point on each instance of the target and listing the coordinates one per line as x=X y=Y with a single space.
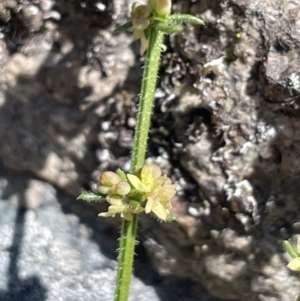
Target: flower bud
x=109 y=178
x=163 y=7
x=103 y=189
x=140 y=24
x=134 y=6
x=142 y=11
x=121 y=188
x=153 y=4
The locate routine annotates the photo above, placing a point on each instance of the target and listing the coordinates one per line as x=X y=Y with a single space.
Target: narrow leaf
x=134 y=203
x=121 y=174
x=123 y=27
x=171 y=217
x=168 y=28
x=184 y=18
x=90 y=196
x=288 y=247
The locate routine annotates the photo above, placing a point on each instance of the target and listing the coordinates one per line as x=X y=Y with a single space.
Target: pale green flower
x=140 y=35
x=140 y=10
x=140 y=20
x=106 y=181
x=119 y=206
x=157 y=190
x=126 y=196
x=110 y=183
x=161 y=7
x=116 y=190
x=122 y=188
x=141 y=15
x=294 y=264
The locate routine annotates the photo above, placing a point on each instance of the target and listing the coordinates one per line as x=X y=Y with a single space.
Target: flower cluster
x=111 y=185
x=147 y=190
x=140 y=21
x=142 y=15
x=157 y=190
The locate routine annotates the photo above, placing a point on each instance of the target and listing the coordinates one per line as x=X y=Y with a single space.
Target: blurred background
x=225 y=128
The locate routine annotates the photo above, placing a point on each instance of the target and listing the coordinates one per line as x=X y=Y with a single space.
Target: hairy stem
x=146 y=99
x=128 y=232
x=125 y=259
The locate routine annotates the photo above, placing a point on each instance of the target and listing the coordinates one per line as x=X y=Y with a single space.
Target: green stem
x=125 y=259
x=129 y=228
x=146 y=99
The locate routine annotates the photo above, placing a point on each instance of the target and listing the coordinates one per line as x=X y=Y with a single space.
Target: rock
x=233 y=126
x=225 y=127
x=48 y=254
x=32 y=17
x=3 y=55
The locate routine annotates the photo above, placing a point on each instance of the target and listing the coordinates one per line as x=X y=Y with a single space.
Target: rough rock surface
x=49 y=251
x=225 y=126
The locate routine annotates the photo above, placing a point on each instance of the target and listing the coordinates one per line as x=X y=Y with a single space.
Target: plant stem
x=129 y=228
x=146 y=99
x=125 y=259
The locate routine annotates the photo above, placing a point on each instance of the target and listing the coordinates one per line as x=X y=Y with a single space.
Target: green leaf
x=168 y=28
x=90 y=196
x=185 y=18
x=288 y=247
x=171 y=217
x=121 y=174
x=123 y=27
x=134 y=203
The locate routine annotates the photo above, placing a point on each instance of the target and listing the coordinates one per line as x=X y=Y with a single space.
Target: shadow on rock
x=30 y=288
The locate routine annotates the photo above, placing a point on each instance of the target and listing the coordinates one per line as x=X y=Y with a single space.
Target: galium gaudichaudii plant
x=144 y=189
